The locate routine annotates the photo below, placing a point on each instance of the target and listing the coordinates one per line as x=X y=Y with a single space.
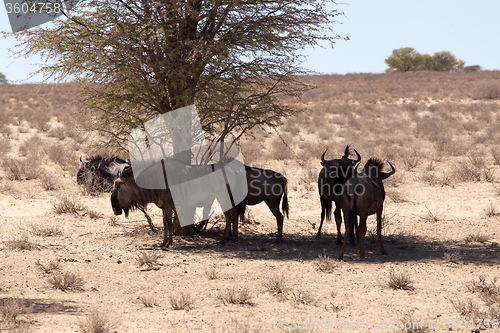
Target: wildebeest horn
x=323 y=157
x=358 y=156
x=385 y=175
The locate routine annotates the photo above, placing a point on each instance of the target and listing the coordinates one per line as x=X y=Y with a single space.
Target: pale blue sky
x=469 y=30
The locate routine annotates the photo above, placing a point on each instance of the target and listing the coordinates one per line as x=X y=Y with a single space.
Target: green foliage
x=139 y=59
x=405 y=59
x=3 y=79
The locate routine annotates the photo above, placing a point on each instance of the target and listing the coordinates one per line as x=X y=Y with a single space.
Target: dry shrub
x=149 y=301
x=477 y=237
x=484 y=288
x=452 y=257
x=149 y=259
x=32 y=147
x=304 y=297
x=22 y=244
x=465 y=307
x=49 y=268
x=235 y=295
x=12 y=308
x=48 y=231
x=68 y=205
x=48 y=181
x=487 y=90
x=96 y=322
x=18 y=169
x=182 y=301
x=275 y=285
x=326 y=264
x=64 y=155
x=211 y=272
x=66 y=281
x=400 y=280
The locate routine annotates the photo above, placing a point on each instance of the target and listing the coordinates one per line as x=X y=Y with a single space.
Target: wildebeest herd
x=354 y=194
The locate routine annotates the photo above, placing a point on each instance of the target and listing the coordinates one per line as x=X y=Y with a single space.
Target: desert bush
x=235 y=295
x=32 y=147
x=485 y=289
x=68 y=205
x=211 y=272
x=452 y=257
x=96 y=322
x=149 y=259
x=465 y=307
x=491 y=210
x=400 y=280
x=11 y=308
x=93 y=214
x=49 y=268
x=182 y=301
x=149 y=301
x=326 y=264
x=487 y=90
x=275 y=285
x=63 y=155
x=477 y=237
x=304 y=297
x=48 y=181
x=46 y=231
x=22 y=244
x=66 y=281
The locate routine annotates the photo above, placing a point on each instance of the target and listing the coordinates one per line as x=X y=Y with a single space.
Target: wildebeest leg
x=338 y=220
x=167 y=225
x=361 y=235
x=150 y=222
x=229 y=222
x=326 y=208
x=379 y=232
x=346 y=235
x=279 y=220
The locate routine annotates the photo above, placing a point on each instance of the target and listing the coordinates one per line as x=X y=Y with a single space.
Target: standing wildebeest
x=263 y=185
x=330 y=184
x=98 y=174
x=127 y=195
x=364 y=195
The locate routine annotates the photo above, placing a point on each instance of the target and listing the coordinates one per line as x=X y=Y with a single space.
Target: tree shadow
x=39 y=305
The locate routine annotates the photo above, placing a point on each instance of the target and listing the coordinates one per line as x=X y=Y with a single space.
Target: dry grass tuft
x=12 y=308
x=235 y=295
x=275 y=285
x=465 y=307
x=95 y=322
x=66 y=281
x=49 y=268
x=211 y=272
x=47 y=231
x=300 y=296
x=182 y=301
x=149 y=259
x=477 y=237
x=452 y=257
x=149 y=301
x=68 y=205
x=48 y=181
x=22 y=244
x=326 y=264
x=400 y=280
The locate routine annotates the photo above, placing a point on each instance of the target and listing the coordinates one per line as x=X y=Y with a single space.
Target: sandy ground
x=103 y=252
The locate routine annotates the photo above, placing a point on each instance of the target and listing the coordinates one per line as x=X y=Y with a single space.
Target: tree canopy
x=407 y=59
x=3 y=78
x=138 y=59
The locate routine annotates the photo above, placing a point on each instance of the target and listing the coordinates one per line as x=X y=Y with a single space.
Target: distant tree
x=445 y=61
x=474 y=68
x=405 y=59
x=3 y=79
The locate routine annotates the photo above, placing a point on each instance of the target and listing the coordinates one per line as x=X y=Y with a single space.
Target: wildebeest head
x=126 y=195
x=373 y=169
x=340 y=167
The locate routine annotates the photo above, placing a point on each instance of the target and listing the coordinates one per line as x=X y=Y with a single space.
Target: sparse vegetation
x=21 y=244
x=49 y=268
x=96 y=321
x=304 y=297
x=45 y=231
x=149 y=301
x=477 y=237
x=148 y=259
x=465 y=307
x=66 y=281
x=452 y=257
x=11 y=308
x=400 y=280
x=275 y=285
x=68 y=205
x=235 y=295
x=326 y=264
x=211 y=272
x=182 y=301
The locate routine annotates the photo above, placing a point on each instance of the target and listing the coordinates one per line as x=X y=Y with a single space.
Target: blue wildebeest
x=364 y=195
x=127 y=195
x=331 y=179
x=263 y=185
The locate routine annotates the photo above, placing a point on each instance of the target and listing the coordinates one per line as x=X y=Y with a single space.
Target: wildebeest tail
x=284 y=204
